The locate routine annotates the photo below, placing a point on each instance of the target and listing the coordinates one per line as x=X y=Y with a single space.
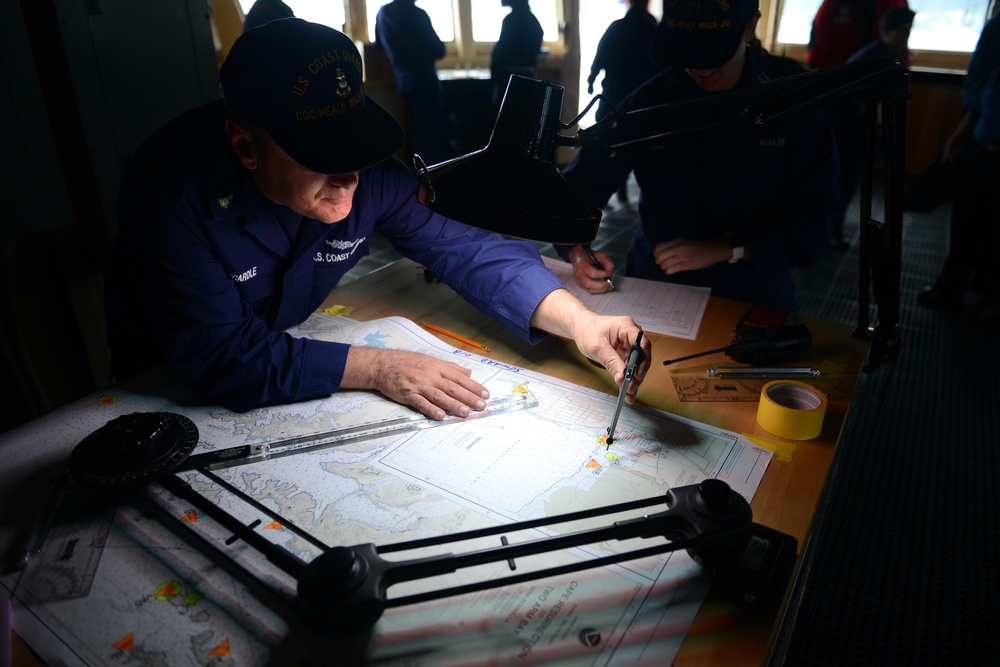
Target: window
x=440 y=12
x=943 y=25
x=487 y=15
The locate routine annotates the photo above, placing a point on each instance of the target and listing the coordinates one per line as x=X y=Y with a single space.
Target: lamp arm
x=757 y=104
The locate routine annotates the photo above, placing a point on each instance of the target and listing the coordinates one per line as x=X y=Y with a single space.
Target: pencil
x=457 y=337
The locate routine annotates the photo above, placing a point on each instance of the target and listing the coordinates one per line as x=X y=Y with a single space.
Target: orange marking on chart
x=592 y=463
x=168 y=590
x=274 y=525
x=125 y=643
x=107 y=399
x=190 y=517
x=222 y=650
x=519 y=389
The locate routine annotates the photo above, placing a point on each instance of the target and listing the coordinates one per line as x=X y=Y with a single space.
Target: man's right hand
x=588 y=276
x=430 y=385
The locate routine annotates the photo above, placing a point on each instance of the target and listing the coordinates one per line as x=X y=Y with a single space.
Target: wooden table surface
x=786 y=500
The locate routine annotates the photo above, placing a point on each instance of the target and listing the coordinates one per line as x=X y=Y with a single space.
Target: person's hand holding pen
x=605 y=339
x=592 y=269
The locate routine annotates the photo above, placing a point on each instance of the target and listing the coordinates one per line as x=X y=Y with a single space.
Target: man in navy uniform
x=974 y=151
x=407 y=35
x=623 y=54
x=734 y=208
x=517 y=49
x=238 y=217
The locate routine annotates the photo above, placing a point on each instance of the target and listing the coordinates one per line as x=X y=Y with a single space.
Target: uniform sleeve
x=600 y=59
x=504 y=279
x=210 y=336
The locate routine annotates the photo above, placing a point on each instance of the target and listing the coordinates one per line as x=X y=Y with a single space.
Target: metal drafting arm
x=344 y=590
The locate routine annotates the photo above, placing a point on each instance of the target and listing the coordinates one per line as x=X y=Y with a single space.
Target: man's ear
x=243 y=144
x=751 y=29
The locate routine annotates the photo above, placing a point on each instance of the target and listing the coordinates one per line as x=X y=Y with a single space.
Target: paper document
x=665 y=308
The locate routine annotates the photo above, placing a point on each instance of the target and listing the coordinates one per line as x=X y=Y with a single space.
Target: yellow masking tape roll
x=791 y=409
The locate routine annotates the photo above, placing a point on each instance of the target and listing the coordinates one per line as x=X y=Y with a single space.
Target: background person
x=238 y=217
x=623 y=55
x=517 y=49
x=893 y=37
x=734 y=208
x=974 y=149
x=848 y=115
x=413 y=47
x=841 y=27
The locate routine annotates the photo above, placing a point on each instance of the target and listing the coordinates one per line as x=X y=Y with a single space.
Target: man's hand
x=605 y=339
x=679 y=255
x=588 y=276
x=432 y=386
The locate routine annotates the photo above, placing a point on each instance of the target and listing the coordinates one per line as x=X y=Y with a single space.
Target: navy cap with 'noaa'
x=302 y=83
x=701 y=34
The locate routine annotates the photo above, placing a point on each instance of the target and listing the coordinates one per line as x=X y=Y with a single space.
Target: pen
x=633 y=359
x=761 y=372
x=468 y=341
x=597 y=265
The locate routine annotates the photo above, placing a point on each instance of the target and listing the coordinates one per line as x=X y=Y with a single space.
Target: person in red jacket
x=841 y=27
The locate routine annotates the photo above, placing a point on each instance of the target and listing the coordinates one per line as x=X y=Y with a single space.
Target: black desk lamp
x=513 y=187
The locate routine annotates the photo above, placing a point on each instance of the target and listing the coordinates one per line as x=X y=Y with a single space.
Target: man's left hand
x=679 y=255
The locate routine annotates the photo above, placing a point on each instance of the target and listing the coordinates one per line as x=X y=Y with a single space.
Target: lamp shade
x=512 y=186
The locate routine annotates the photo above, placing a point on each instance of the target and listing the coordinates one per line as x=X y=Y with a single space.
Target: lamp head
x=512 y=186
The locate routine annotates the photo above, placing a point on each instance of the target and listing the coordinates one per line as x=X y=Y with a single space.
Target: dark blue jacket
x=981 y=89
x=407 y=35
x=519 y=45
x=774 y=186
x=623 y=54
x=205 y=277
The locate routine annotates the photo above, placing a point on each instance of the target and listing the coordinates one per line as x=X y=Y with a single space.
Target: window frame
x=463 y=52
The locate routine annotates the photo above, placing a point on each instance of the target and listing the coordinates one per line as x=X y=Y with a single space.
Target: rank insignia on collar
x=224 y=202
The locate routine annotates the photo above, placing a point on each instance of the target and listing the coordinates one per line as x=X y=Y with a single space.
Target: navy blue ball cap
x=701 y=34
x=302 y=82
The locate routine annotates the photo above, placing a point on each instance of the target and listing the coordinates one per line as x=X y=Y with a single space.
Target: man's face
x=726 y=76
x=722 y=78
x=327 y=198
x=323 y=197
x=897 y=39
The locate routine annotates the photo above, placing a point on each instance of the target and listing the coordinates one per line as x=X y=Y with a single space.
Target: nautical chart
x=155 y=599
